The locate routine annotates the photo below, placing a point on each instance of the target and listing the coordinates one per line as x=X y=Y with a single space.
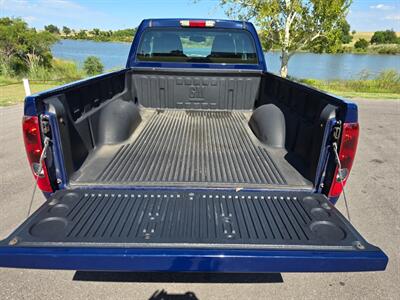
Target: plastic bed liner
x=189 y=230
x=203 y=148
x=189 y=218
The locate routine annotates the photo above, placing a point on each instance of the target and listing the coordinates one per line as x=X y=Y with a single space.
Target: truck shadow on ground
x=161 y=277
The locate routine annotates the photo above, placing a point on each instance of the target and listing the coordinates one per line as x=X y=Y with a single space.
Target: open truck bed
x=203 y=148
x=138 y=128
x=154 y=183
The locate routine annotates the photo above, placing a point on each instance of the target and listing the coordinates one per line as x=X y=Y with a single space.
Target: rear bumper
x=189 y=260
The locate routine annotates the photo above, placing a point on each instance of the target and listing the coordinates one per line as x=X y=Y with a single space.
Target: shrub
x=361 y=44
x=39 y=73
x=388 y=49
x=5 y=69
x=65 y=70
x=384 y=37
x=93 y=65
x=60 y=71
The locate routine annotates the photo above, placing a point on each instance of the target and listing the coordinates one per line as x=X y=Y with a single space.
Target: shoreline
x=92 y=40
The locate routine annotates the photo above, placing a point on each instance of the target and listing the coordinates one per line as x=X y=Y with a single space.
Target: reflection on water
x=302 y=65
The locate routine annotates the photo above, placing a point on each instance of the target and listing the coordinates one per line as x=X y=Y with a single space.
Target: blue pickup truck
x=194 y=158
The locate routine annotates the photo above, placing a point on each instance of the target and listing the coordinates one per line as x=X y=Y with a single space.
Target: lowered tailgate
x=189 y=230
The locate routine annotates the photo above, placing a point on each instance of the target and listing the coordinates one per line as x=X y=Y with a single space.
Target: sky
x=364 y=15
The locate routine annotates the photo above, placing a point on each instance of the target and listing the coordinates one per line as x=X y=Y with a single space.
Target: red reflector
x=33 y=147
x=347 y=152
x=197 y=23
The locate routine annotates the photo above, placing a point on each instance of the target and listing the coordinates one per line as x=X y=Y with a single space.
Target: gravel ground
x=373 y=192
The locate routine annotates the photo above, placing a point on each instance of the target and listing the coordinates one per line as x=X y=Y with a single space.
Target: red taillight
x=33 y=146
x=197 y=23
x=347 y=152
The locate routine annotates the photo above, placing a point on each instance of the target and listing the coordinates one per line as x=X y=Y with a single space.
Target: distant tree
x=81 y=34
x=93 y=66
x=124 y=34
x=361 y=44
x=292 y=24
x=23 y=48
x=96 y=31
x=52 y=29
x=353 y=32
x=66 y=30
x=384 y=37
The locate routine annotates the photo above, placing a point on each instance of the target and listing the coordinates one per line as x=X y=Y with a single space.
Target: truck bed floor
x=203 y=148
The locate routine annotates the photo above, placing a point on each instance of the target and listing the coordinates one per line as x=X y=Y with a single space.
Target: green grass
x=384 y=86
x=360 y=95
x=15 y=93
x=12 y=90
x=6 y=80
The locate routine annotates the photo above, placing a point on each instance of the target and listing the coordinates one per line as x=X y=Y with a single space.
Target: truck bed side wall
x=85 y=116
x=305 y=113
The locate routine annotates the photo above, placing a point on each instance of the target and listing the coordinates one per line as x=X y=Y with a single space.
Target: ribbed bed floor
x=177 y=146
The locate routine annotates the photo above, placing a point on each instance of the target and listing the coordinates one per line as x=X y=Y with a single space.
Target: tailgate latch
x=336 y=131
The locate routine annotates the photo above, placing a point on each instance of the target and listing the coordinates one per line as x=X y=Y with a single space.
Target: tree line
x=96 y=34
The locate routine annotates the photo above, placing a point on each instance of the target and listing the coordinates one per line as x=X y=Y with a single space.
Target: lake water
x=302 y=65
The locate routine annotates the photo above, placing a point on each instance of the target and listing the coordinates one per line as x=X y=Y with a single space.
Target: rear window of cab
x=197 y=45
